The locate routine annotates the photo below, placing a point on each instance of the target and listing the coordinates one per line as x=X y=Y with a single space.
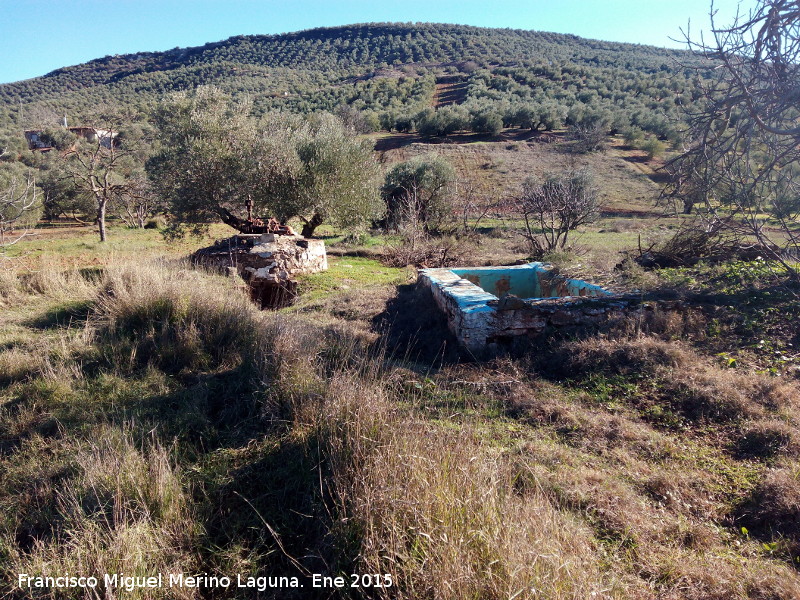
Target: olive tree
x=215 y=161
x=417 y=190
x=200 y=159
x=60 y=195
x=337 y=176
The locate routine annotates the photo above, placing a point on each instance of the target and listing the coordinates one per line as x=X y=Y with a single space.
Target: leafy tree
x=653 y=146
x=215 y=160
x=633 y=135
x=357 y=120
x=58 y=138
x=203 y=158
x=555 y=206
x=338 y=176
x=60 y=194
x=405 y=123
x=12 y=146
x=417 y=190
x=525 y=115
x=551 y=115
x=437 y=123
x=487 y=121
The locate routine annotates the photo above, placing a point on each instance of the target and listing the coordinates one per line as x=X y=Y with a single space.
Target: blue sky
x=37 y=36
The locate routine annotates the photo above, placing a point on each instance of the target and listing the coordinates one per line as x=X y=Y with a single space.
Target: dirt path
x=451 y=89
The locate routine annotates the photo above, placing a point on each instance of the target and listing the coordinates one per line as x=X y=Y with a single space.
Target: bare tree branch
x=19 y=203
x=741 y=166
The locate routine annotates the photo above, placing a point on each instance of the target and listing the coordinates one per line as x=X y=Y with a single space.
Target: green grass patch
x=82 y=246
x=346 y=273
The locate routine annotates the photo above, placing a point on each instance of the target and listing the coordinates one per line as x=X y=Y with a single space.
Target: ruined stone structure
x=267 y=262
x=490 y=309
x=37 y=141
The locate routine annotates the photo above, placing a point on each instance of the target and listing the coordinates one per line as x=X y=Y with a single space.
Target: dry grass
x=644 y=355
x=106 y=520
x=176 y=318
x=442 y=515
x=502 y=169
x=457 y=528
x=166 y=420
x=773 y=511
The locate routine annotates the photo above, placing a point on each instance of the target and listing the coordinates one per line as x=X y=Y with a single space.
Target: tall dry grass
x=442 y=513
x=126 y=510
x=596 y=507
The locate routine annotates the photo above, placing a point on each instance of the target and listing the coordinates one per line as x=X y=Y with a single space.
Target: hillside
x=375 y=67
x=154 y=420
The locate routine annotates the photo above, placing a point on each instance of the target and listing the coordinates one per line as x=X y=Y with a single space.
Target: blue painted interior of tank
x=524 y=281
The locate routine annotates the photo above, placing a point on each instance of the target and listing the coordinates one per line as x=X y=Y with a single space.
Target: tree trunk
x=310 y=225
x=229 y=218
x=101 y=219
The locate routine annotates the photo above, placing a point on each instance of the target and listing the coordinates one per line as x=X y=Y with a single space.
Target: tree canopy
x=387 y=72
x=417 y=190
x=214 y=160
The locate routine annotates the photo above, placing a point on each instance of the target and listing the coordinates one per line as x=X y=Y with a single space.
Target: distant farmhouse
x=38 y=140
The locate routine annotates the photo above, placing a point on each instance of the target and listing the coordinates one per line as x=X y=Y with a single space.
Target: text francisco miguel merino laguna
x=129 y=583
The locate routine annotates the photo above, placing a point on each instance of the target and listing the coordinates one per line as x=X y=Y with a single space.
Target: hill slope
x=373 y=66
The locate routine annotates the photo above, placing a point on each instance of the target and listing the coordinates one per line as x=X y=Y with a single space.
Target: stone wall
x=267 y=262
x=487 y=325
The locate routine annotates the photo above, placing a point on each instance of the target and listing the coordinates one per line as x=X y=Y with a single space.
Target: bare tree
x=587 y=137
x=19 y=209
x=473 y=201
x=554 y=207
x=138 y=203
x=103 y=168
x=740 y=167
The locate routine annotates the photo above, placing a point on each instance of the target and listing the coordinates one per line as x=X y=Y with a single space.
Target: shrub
x=417 y=191
x=425 y=251
x=654 y=147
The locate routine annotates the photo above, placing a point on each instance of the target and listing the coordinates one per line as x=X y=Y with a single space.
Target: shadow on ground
x=413 y=328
